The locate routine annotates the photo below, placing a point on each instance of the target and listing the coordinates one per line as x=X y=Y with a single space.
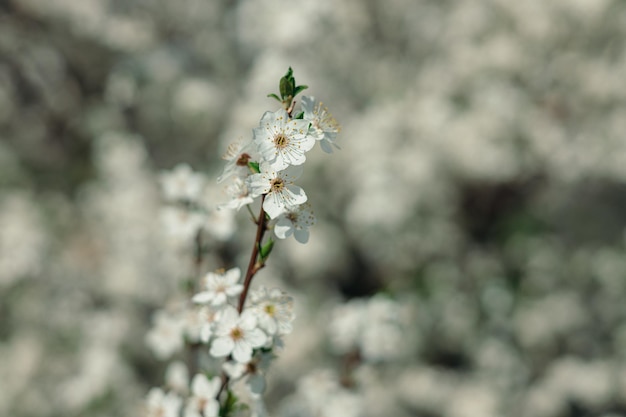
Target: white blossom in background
x=180 y=223
x=159 y=404
x=202 y=402
x=282 y=141
x=375 y=327
x=279 y=188
x=319 y=394
x=219 y=287
x=182 y=184
x=165 y=336
x=295 y=221
x=324 y=127
x=177 y=377
x=220 y=225
x=239 y=195
x=274 y=310
x=208 y=317
x=253 y=371
x=237 y=156
x=22 y=240
x=237 y=335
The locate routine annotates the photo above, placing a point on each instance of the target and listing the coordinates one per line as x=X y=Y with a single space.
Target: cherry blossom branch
x=253 y=268
x=253 y=265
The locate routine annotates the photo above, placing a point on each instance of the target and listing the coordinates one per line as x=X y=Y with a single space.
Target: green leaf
x=287 y=86
x=254 y=166
x=299 y=89
x=299 y=115
x=274 y=96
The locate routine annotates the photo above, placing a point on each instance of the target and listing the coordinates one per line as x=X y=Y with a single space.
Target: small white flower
x=202 y=403
x=165 y=337
x=239 y=194
x=237 y=335
x=220 y=224
x=158 y=404
x=253 y=371
x=324 y=127
x=238 y=155
x=296 y=221
x=274 y=310
x=208 y=317
x=177 y=377
x=283 y=141
x=180 y=223
x=182 y=184
x=279 y=187
x=345 y=325
x=218 y=287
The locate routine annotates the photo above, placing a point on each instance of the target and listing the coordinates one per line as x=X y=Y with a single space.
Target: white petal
x=232 y=275
x=302 y=236
x=205 y=333
x=200 y=386
x=273 y=205
x=256 y=337
x=234 y=290
x=221 y=347
x=219 y=299
x=242 y=352
x=212 y=408
x=203 y=297
x=295 y=195
x=256 y=383
x=283 y=228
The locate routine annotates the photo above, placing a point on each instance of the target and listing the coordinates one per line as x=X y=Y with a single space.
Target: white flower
x=220 y=224
x=373 y=326
x=177 y=377
x=237 y=335
x=279 y=187
x=180 y=223
x=158 y=404
x=208 y=318
x=321 y=394
x=253 y=371
x=324 y=127
x=237 y=156
x=283 y=141
x=182 y=184
x=203 y=403
x=218 y=287
x=239 y=194
x=165 y=337
x=296 y=221
x=274 y=310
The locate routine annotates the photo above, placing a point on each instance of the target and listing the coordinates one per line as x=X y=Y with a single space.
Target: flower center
x=270 y=309
x=281 y=141
x=236 y=333
x=277 y=184
x=243 y=160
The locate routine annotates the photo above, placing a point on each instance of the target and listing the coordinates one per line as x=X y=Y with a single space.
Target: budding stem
x=253 y=268
x=253 y=265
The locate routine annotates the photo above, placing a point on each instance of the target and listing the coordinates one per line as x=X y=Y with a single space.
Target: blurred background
x=481 y=186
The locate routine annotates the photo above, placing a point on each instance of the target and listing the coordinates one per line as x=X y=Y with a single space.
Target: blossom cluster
x=270 y=163
x=231 y=330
